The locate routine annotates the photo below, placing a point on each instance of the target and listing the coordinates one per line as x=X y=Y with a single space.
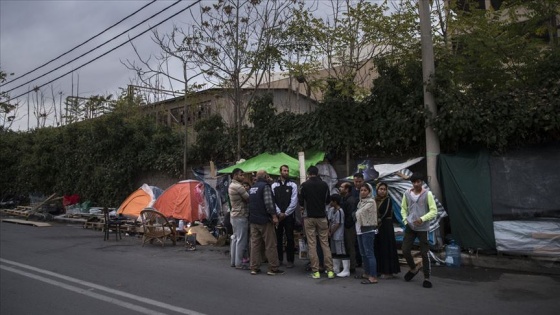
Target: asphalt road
x=65 y=269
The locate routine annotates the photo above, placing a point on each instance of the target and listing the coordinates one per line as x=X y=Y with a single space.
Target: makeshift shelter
x=143 y=197
x=507 y=203
x=184 y=200
x=211 y=198
x=271 y=162
x=328 y=175
x=396 y=177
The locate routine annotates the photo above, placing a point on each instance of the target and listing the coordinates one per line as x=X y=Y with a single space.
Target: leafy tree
x=393 y=115
x=541 y=16
x=213 y=140
x=99 y=159
x=493 y=88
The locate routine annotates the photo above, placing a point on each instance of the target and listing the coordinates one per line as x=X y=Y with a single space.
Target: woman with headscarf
x=385 y=244
x=366 y=228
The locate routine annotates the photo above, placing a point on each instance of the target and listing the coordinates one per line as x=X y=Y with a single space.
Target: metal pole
x=428 y=70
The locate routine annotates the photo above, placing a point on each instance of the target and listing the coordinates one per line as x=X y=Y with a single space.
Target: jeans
x=241 y=232
x=365 y=242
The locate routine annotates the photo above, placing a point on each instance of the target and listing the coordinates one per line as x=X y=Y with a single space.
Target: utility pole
x=185 y=117
x=428 y=70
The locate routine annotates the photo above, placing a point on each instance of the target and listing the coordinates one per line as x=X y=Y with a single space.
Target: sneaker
x=330 y=274
x=316 y=275
x=255 y=272
x=275 y=272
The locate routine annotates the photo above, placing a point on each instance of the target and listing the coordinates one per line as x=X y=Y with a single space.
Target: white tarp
x=528 y=237
x=388 y=169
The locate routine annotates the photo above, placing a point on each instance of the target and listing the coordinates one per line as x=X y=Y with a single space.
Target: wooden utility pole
x=428 y=71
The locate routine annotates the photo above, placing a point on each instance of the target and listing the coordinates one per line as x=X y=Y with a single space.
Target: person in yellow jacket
x=418 y=208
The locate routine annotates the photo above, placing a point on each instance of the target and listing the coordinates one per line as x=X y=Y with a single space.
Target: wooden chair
x=110 y=224
x=156 y=227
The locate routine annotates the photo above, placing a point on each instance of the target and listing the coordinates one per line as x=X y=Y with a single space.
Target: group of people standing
x=335 y=225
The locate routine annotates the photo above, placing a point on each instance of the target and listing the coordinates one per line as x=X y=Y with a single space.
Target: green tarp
x=312 y=157
x=466 y=186
x=271 y=163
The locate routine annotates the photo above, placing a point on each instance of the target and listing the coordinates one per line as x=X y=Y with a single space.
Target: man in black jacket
x=263 y=219
x=314 y=198
x=285 y=198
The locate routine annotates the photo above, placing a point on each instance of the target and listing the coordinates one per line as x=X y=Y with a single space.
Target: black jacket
x=314 y=196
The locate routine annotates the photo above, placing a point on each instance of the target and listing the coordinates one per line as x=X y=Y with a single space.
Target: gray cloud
x=34 y=32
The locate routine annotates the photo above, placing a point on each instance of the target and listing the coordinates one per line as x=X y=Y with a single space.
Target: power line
x=80 y=45
x=91 y=50
x=115 y=48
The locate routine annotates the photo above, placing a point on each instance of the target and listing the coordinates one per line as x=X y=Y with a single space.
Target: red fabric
x=181 y=201
x=70 y=200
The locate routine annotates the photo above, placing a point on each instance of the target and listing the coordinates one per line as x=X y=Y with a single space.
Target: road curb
x=542 y=265
x=64 y=219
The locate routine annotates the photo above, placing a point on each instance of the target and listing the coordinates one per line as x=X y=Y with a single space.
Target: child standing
x=336 y=234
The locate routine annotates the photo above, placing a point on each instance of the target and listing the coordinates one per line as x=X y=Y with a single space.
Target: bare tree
x=154 y=72
x=232 y=42
x=42 y=107
x=158 y=69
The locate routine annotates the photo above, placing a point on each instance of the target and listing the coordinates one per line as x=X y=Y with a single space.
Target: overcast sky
x=34 y=32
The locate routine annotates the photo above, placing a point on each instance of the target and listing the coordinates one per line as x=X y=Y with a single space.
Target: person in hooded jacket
x=418 y=208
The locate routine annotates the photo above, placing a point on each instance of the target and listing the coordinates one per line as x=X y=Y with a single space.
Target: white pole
x=428 y=69
x=302 y=171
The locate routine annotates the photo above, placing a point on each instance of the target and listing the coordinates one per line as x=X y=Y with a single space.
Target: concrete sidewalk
x=529 y=264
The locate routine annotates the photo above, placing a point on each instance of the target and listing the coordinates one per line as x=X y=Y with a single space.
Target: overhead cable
x=80 y=45
x=115 y=48
x=91 y=50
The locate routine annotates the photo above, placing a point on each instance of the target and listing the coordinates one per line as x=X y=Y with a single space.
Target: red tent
x=183 y=201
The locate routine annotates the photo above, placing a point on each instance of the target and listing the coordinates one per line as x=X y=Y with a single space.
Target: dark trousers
x=286 y=226
x=409 y=236
x=350 y=245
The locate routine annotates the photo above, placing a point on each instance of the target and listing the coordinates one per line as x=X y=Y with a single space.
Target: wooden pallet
x=19 y=211
x=95 y=225
x=25 y=222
